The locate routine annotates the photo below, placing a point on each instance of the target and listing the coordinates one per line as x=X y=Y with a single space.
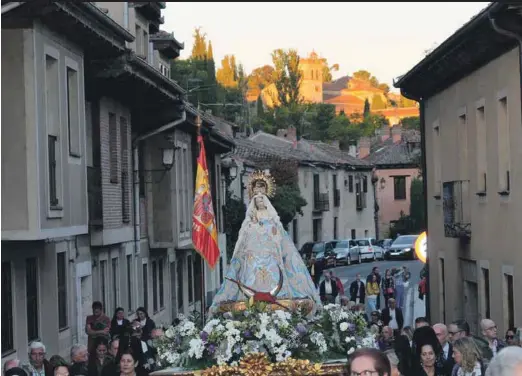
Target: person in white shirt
x=328 y=288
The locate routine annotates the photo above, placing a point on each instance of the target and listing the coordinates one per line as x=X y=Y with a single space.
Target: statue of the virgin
x=265 y=259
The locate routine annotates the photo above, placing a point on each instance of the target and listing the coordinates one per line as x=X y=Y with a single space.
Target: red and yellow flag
x=204 y=230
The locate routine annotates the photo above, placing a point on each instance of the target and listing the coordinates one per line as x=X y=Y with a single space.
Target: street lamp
x=168 y=158
x=233 y=170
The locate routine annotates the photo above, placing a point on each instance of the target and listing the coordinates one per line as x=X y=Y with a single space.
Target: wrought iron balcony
x=321 y=202
x=456 y=209
x=94 y=190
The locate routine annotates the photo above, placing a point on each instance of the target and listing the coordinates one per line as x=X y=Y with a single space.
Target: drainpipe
x=514 y=35
x=136 y=182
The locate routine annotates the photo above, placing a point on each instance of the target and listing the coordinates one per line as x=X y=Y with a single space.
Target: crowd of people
x=440 y=350
x=115 y=347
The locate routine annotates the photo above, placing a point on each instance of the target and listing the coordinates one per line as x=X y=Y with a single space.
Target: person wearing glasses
x=368 y=362
x=489 y=331
x=511 y=338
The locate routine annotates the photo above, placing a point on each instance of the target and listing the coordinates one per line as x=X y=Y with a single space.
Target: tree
x=363 y=75
x=288 y=200
x=199 y=49
x=366 y=110
x=345 y=131
x=327 y=71
x=411 y=122
x=405 y=102
x=378 y=103
x=287 y=76
x=260 y=110
x=260 y=78
x=384 y=87
x=324 y=115
x=227 y=75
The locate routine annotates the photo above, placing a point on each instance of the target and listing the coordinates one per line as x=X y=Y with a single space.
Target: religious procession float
x=267 y=318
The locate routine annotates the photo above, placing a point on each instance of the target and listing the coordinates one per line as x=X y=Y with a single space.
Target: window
x=510 y=303
x=337 y=192
x=7 y=308
x=316 y=185
x=353 y=233
x=487 y=304
x=61 y=271
x=125 y=181
x=335 y=233
x=115 y=283
x=73 y=112
x=113 y=148
x=139 y=41
x=295 y=230
x=317 y=229
x=437 y=159
x=350 y=183
x=160 y=283
x=187 y=194
x=365 y=184
x=190 y=279
x=399 y=187
x=129 y=282
x=145 y=287
x=145 y=47
x=481 y=150
x=365 y=233
x=503 y=145
x=462 y=134
x=154 y=287
x=179 y=272
x=31 y=286
x=53 y=179
x=221 y=262
x=103 y=282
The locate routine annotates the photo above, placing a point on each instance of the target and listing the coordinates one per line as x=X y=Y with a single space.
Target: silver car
x=345 y=252
x=403 y=246
x=369 y=249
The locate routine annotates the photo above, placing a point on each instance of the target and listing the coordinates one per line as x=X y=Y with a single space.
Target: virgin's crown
x=261 y=182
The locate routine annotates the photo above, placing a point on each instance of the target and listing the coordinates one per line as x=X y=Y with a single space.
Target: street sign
x=421 y=247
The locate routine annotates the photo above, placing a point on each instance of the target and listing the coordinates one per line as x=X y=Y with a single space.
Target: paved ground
x=414 y=306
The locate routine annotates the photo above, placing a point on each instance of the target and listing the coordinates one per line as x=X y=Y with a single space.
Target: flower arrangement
x=277 y=336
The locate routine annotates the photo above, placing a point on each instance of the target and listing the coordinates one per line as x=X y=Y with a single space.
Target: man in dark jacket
x=393 y=317
x=328 y=289
x=79 y=359
x=357 y=290
x=442 y=335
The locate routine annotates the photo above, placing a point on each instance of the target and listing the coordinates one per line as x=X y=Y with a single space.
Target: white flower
x=170 y=333
x=196 y=348
x=343 y=327
x=351 y=350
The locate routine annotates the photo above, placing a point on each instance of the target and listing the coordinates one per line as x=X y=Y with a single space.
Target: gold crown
x=266 y=179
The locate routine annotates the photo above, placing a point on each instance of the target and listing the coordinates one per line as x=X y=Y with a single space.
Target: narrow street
x=415 y=308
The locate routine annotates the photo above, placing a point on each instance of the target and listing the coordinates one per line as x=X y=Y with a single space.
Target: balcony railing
x=456 y=209
x=360 y=200
x=337 y=198
x=321 y=202
x=94 y=189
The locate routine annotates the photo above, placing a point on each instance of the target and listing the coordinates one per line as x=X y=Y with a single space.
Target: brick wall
x=115 y=164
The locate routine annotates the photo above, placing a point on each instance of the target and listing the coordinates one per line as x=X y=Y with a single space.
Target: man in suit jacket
x=442 y=335
x=357 y=290
x=392 y=316
x=328 y=289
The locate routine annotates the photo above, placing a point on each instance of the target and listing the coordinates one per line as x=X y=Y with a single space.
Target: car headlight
x=407 y=249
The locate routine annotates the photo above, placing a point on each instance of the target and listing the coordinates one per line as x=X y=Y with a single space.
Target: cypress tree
x=366 y=111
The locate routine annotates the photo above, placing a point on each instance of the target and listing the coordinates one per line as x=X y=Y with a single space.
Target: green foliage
x=324 y=115
x=260 y=109
x=405 y=102
x=288 y=200
x=366 y=111
x=411 y=122
x=234 y=214
x=415 y=222
x=260 y=78
x=378 y=103
x=287 y=76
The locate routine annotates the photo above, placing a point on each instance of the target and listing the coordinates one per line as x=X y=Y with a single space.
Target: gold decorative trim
x=264 y=177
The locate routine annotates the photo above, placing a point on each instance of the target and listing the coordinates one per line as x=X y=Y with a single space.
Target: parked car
x=346 y=252
x=369 y=249
x=403 y=247
x=322 y=251
x=385 y=244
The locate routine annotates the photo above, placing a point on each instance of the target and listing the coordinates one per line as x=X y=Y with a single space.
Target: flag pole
x=203 y=289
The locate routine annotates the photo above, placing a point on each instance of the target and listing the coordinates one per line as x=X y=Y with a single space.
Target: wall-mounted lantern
x=168 y=157
x=382 y=183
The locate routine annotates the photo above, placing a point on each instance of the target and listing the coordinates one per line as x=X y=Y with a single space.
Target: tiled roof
x=337 y=85
x=220 y=126
x=399 y=111
x=303 y=151
x=389 y=153
x=346 y=98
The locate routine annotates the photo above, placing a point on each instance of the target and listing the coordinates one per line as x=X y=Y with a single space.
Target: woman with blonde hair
x=467 y=357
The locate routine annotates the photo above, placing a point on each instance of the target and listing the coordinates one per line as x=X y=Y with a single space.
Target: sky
x=387 y=39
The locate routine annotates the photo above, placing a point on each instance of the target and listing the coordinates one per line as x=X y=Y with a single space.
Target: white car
x=369 y=249
x=345 y=252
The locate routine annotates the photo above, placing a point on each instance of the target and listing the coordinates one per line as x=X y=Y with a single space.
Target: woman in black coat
x=119 y=323
x=146 y=323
